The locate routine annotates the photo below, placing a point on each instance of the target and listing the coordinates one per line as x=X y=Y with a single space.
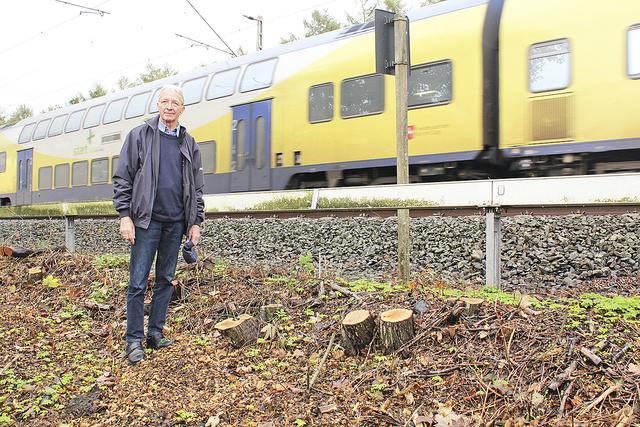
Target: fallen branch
x=564 y=399
x=344 y=290
x=563 y=377
x=322 y=362
x=600 y=398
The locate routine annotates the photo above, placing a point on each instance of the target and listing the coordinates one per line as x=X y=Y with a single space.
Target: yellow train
x=498 y=88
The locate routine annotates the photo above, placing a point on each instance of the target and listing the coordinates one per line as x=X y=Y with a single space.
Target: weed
x=306 y=262
x=254 y=352
x=99 y=293
x=203 y=341
x=378 y=387
x=300 y=423
x=612 y=308
x=282 y=315
x=111 y=261
x=183 y=416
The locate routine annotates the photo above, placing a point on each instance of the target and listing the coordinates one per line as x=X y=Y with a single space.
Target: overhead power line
x=214 y=31
x=87 y=9
x=199 y=43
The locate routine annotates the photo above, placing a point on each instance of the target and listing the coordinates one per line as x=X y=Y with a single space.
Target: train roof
x=425 y=12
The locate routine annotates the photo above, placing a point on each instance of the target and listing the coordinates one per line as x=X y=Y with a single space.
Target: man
x=158 y=186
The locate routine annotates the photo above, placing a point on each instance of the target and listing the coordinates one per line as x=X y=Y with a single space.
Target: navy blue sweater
x=169 y=204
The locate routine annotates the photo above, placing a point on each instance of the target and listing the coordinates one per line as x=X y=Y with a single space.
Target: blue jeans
x=163 y=238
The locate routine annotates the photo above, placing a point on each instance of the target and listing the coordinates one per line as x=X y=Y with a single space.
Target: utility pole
x=400 y=23
x=258 y=19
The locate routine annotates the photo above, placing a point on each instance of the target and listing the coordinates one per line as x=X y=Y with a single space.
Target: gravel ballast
x=551 y=251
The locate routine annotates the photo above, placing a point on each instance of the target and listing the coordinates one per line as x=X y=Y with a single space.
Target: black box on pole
x=385 y=43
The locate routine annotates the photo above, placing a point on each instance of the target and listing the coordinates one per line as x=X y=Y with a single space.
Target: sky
x=50 y=51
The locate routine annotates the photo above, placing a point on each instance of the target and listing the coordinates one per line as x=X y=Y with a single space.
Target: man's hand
x=194 y=234
x=128 y=230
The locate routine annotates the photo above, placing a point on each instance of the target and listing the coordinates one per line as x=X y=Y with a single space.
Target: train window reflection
x=321 y=103
x=362 y=96
x=137 y=105
x=3 y=161
x=114 y=111
x=75 y=119
x=633 y=52
x=80 y=173
x=549 y=66
x=241 y=145
x=27 y=131
x=192 y=90
x=208 y=155
x=61 y=176
x=57 y=125
x=99 y=171
x=41 y=129
x=93 y=116
x=223 y=84
x=45 y=178
x=258 y=75
x=430 y=84
x=261 y=140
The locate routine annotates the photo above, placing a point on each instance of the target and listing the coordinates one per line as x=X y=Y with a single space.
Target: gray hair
x=171 y=88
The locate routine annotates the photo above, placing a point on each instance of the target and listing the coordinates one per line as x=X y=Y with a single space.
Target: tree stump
x=357 y=331
x=34 y=274
x=268 y=312
x=396 y=329
x=241 y=331
x=472 y=305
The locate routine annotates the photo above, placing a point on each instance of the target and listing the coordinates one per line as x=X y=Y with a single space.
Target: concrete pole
x=70 y=233
x=259 y=39
x=402 y=169
x=493 y=247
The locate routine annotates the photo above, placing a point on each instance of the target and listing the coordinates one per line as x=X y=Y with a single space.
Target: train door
x=251 y=147
x=25 y=166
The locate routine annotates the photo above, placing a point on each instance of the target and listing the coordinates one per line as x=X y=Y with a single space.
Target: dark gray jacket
x=135 y=180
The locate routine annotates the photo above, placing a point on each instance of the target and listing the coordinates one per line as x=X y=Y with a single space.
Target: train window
x=41 y=129
x=114 y=111
x=153 y=105
x=241 y=145
x=261 y=138
x=258 y=75
x=61 y=176
x=633 y=52
x=27 y=131
x=99 y=171
x=137 y=105
x=321 y=103
x=223 y=84
x=549 y=66
x=73 y=124
x=362 y=96
x=208 y=155
x=93 y=116
x=3 y=161
x=192 y=90
x=80 y=174
x=57 y=125
x=114 y=164
x=430 y=84
x=45 y=180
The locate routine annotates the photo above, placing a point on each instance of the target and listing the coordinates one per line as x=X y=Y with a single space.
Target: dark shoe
x=135 y=352
x=158 y=341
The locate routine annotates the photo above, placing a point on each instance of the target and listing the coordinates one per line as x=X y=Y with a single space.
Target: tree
x=125 y=83
x=428 y=2
x=79 y=97
x=97 y=91
x=3 y=119
x=395 y=6
x=364 y=11
x=319 y=23
x=292 y=37
x=155 y=73
x=20 y=113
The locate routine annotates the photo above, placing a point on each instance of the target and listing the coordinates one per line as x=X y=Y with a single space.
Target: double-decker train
x=498 y=88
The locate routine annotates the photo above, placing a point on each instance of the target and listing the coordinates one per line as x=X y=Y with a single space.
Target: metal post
x=70 y=233
x=402 y=166
x=493 y=243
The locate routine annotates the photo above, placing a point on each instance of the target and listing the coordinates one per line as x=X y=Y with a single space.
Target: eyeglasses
x=167 y=102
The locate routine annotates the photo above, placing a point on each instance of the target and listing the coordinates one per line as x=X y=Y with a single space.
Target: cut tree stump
x=472 y=305
x=268 y=312
x=241 y=331
x=358 y=328
x=34 y=274
x=396 y=329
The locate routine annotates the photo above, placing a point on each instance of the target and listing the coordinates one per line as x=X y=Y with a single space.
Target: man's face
x=170 y=107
